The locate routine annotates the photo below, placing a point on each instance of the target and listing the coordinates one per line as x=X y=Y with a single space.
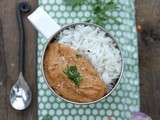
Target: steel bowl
x=107 y=34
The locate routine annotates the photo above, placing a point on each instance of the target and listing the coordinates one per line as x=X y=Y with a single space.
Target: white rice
x=95 y=46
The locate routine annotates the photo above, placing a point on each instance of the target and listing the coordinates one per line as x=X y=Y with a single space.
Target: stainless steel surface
x=107 y=34
x=20 y=94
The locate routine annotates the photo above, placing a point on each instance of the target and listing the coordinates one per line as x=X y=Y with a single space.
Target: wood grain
x=148 y=16
x=11 y=38
x=3 y=65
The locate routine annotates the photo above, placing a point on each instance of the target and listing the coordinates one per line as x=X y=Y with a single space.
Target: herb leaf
x=47 y=117
x=99 y=10
x=73 y=74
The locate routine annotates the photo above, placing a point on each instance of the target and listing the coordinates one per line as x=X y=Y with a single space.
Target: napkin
x=125 y=99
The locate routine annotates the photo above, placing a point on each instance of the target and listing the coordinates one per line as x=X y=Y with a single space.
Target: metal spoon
x=20 y=94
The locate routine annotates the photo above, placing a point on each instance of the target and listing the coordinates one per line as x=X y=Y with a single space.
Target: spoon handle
x=22 y=7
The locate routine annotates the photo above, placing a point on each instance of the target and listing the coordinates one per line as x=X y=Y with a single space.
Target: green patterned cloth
x=125 y=99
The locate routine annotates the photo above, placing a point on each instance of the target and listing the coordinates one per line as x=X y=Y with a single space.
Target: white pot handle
x=43 y=23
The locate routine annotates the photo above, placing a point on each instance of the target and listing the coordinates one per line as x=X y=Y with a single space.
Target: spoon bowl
x=20 y=94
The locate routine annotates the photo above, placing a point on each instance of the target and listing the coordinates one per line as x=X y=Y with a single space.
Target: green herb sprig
x=73 y=74
x=99 y=10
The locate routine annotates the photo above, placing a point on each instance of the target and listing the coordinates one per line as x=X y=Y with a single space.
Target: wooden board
x=148 y=16
x=11 y=38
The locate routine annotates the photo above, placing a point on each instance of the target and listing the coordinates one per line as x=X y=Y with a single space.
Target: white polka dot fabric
x=125 y=99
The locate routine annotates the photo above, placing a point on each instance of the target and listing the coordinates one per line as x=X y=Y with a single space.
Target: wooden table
x=148 y=16
x=148 y=19
x=11 y=38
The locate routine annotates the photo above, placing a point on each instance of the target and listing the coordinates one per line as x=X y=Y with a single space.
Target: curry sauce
x=57 y=57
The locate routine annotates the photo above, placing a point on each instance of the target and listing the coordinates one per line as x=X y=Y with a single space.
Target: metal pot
x=49 y=28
